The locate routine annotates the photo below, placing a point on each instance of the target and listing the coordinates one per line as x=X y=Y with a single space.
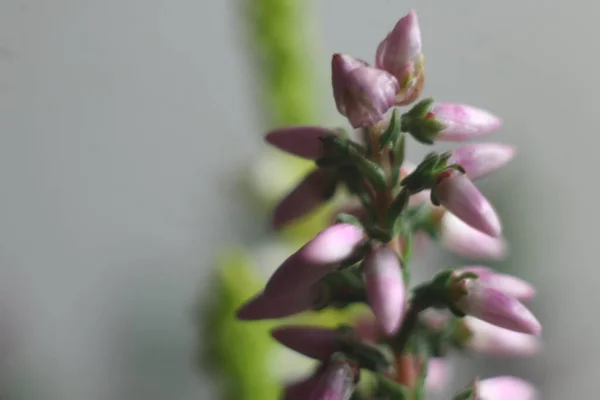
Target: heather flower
x=309 y=194
x=508 y=284
x=301 y=141
x=262 y=307
x=495 y=307
x=337 y=381
x=315 y=259
x=460 y=196
x=462 y=239
x=302 y=389
x=480 y=159
x=506 y=387
x=314 y=342
x=400 y=53
x=385 y=287
x=362 y=93
x=462 y=123
x=487 y=339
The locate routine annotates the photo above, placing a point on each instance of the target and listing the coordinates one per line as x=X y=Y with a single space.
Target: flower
x=400 y=54
x=301 y=141
x=459 y=195
x=480 y=159
x=506 y=387
x=462 y=239
x=262 y=307
x=309 y=194
x=508 y=284
x=462 y=122
x=314 y=342
x=495 y=307
x=314 y=260
x=385 y=287
x=492 y=340
x=362 y=93
x=337 y=381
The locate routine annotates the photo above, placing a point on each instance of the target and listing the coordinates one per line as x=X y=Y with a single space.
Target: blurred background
x=125 y=129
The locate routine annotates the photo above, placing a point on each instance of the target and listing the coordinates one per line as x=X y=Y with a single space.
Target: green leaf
x=348 y=219
x=370 y=169
x=391 y=389
x=421 y=109
x=392 y=132
x=395 y=210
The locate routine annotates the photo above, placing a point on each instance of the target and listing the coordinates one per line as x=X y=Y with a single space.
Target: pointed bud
x=337 y=381
x=462 y=123
x=507 y=387
x=385 y=288
x=495 y=307
x=400 y=53
x=310 y=193
x=302 y=389
x=314 y=342
x=301 y=141
x=460 y=196
x=480 y=159
x=262 y=307
x=460 y=238
x=491 y=340
x=508 y=284
x=362 y=94
x=315 y=259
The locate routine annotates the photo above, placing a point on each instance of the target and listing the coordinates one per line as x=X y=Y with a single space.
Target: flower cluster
x=364 y=255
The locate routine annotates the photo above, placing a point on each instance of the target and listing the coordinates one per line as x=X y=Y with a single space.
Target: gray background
x=123 y=121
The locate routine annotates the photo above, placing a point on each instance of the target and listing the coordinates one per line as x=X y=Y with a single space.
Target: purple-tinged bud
x=385 y=288
x=462 y=123
x=491 y=340
x=480 y=159
x=337 y=381
x=462 y=198
x=438 y=375
x=314 y=342
x=301 y=141
x=495 y=307
x=315 y=259
x=362 y=93
x=400 y=54
x=262 y=307
x=460 y=238
x=508 y=284
x=302 y=389
x=310 y=193
x=507 y=387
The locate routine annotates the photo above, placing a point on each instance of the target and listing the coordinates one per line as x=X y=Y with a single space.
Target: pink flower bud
x=400 y=54
x=463 y=122
x=385 y=288
x=491 y=340
x=309 y=194
x=507 y=387
x=438 y=375
x=362 y=94
x=262 y=307
x=301 y=389
x=508 y=284
x=315 y=259
x=496 y=307
x=401 y=45
x=480 y=159
x=337 y=381
x=460 y=196
x=460 y=238
x=314 y=342
x=302 y=141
